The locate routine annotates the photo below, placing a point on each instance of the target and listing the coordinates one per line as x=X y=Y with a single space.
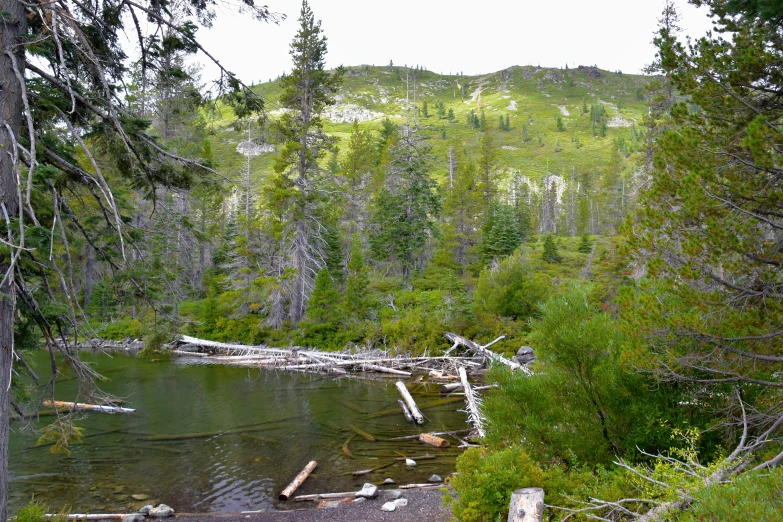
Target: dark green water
x=244 y=470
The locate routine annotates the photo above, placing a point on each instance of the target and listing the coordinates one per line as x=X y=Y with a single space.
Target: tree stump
x=527 y=505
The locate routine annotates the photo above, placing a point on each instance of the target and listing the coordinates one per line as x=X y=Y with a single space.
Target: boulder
x=401 y=502
x=388 y=480
x=162 y=511
x=394 y=494
x=389 y=506
x=409 y=462
x=435 y=479
x=135 y=517
x=146 y=509
x=525 y=355
x=368 y=491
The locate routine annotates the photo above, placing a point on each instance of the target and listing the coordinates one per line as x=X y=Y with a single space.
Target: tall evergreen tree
x=357 y=295
x=307 y=90
x=324 y=302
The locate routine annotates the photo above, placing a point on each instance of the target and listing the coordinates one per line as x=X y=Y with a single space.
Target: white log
x=420 y=486
x=439 y=433
x=406 y=396
x=474 y=414
x=527 y=505
x=91 y=407
x=405 y=411
x=383 y=369
x=482 y=350
x=320 y=496
x=301 y=477
x=92 y=516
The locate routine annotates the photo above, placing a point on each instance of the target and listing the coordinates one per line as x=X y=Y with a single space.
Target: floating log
x=371 y=470
x=34 y=414
x=527 y=505
x=361 y=433
x=424 y=406
x=405 y=411
x=406 y=396
x=383 y=369
x=301 y=477
x=414 y=437
x=434 y=440
x=187 y=436
x=91 y=407
x=474 y=414
x=448 y=388
x=352 y=406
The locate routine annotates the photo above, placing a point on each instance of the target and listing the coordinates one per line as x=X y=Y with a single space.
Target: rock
x=359 y=500
x=395 y=494
x=525 y=355
x=435 y=479
x=388 y=480
x=146 y=510
x=368 y=491
x=139 y=496
x=401 y=502
x=162 y=511
x=135 y=517
x=332 y=504
x=389 y=506
x=409 y=462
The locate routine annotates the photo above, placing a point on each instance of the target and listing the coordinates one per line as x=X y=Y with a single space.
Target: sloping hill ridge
x=528 y=95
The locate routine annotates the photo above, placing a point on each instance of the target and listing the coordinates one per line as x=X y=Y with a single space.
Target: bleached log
x=298 y=480
x=405 y=410
x=438 y=433
x=474 y=414
x=483 y=351
x=383 y=369
x=527 y=505
x=420 y=486
x=448 y=388
x=406 y=396
x=323 y=496
x=193 y=354
x=91 y=407
x=92 y=516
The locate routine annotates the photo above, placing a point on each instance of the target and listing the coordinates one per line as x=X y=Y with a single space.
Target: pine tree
x=425 y=110
x=461 y=210
x=560 y=126
x=483 y=121
x=525 y=136
x=324 y=302
x=451 y=114
x=501 y=124
x=585 y=245
x=443 y=133
x=488 y=156
x=307 y=90
x=357 y=298
x=508 y=123
x=501 y=234
x=550 y=254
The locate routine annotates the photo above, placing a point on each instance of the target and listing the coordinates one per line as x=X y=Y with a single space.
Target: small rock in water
x=388 y=480
x=146 y=510
x=162 y=511
x=395 y=494
x=368 y=491
x=435 y=479
x=389 y=506
x=139 y=496
x=401 y=502
x=409 y=462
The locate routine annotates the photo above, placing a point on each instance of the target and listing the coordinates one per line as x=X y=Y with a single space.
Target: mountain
x=529 y=96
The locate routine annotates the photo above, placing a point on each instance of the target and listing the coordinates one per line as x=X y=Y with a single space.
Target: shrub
x=753 y=496
x=32 y=512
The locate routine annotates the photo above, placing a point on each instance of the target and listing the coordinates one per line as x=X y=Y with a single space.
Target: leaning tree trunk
x=11 y=108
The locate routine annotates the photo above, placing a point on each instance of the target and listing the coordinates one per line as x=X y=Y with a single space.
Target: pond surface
x=250 y=432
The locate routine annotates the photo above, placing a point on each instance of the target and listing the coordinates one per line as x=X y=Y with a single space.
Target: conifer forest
x=570 y=276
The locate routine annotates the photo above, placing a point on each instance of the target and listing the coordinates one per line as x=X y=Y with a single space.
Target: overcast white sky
x=450 y=36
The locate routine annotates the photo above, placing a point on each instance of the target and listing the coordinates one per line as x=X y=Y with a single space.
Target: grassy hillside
x=533 y=96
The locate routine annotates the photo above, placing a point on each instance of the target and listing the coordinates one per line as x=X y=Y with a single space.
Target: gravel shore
x=424 y=505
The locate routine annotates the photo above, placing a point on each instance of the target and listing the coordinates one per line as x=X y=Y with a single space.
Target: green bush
x=753 y=496
x=511 y=289
x=32 y=512
x=120 y=329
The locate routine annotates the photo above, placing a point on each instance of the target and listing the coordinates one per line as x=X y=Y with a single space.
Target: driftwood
x=420 y=486
x=405 y=411
x=474 y=414
x=324 y=496
x=346 y=450
x=361 y=433
x=434 y=440
x=448 y=388
x=406 y=396
x=301 y=477
x=483 y=351
x=90 y=407
x=92 y=516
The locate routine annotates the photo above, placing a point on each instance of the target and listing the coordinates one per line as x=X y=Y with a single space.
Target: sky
x=450 y=36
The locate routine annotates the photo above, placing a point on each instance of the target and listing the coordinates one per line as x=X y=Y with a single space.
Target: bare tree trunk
x=88 y=277
x=11 y=105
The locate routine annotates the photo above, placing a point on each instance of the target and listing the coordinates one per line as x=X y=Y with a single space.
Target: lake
x=249 y=432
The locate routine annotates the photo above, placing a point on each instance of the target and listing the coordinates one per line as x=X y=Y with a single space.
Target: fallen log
x=405 y=411
x=420 y=486
x=448 y=388
x=92 y=516
x=483 y=351
x=346 y=450
x=406 y=396
x=361 y=433
x=434 y=440
x=298 y=480
x=91 y=407
x=474 y=414
x=323 y=496
x=414 y=437
x=424 y=406
x=383 y=369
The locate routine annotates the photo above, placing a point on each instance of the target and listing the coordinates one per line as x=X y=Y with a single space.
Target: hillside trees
x=306 y=91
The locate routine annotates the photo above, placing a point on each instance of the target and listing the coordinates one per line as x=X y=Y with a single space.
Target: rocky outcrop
x=350 y=113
